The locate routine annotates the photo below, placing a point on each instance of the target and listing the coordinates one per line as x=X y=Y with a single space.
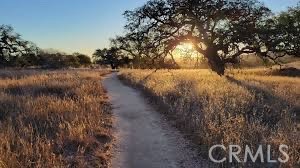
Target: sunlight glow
x=185 y=46
x=186 y=56
x=185 y=50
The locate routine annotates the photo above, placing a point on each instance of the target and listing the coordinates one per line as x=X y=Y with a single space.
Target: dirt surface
x=144 y=138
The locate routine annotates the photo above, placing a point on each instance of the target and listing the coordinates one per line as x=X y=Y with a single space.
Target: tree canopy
x=83 y=59
x=284 y=32
x=13 y=46
x=221 y=30
x=16 y=52
x=111 y=56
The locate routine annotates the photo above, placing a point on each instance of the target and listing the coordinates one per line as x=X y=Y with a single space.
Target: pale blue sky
x=77 y=25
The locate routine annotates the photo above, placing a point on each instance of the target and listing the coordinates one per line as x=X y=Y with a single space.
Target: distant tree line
x=112 y=57
x=16 y=52
x=220 y=30
x=116 y=58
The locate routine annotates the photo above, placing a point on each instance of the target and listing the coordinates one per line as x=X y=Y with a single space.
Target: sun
x=185 y=50
x=185 y=46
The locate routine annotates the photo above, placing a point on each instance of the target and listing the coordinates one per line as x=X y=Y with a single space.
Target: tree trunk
x=214 y=61
x=112 y=65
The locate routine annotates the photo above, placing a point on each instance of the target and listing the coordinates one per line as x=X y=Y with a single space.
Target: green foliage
x=12 y=47
x=288 y=24
x=112 y=57
x=279 y=35
x=58 y=60
x=83 y=59
x=16 y=52
x=27 y=60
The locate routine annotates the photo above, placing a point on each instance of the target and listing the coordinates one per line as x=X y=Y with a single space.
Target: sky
x=77 y=25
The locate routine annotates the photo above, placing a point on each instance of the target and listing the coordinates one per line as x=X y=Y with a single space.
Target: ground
x=144 y=137
x=54 y=119
x=143 y=118
x=245 y=107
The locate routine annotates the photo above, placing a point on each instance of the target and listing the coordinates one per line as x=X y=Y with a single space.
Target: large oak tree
x=221 y=30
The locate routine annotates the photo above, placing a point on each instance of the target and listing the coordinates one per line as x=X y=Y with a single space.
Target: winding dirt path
x=144 y=138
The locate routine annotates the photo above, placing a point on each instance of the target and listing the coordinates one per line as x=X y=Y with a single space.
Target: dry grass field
x=246 y=107
x=54 y=119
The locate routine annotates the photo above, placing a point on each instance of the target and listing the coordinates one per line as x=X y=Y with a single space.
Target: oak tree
x=221 y=30
x=12 y=46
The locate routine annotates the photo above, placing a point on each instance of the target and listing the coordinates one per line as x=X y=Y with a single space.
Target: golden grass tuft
x=241 y=109
x=54 y=119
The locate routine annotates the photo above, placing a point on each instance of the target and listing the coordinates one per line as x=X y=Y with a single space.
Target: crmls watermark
x=235 y=150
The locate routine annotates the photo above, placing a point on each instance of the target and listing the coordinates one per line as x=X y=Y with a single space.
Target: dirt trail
x=144 y=139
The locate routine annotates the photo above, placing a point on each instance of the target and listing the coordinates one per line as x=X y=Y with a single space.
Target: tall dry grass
x=54 y=119
x=240 y=109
